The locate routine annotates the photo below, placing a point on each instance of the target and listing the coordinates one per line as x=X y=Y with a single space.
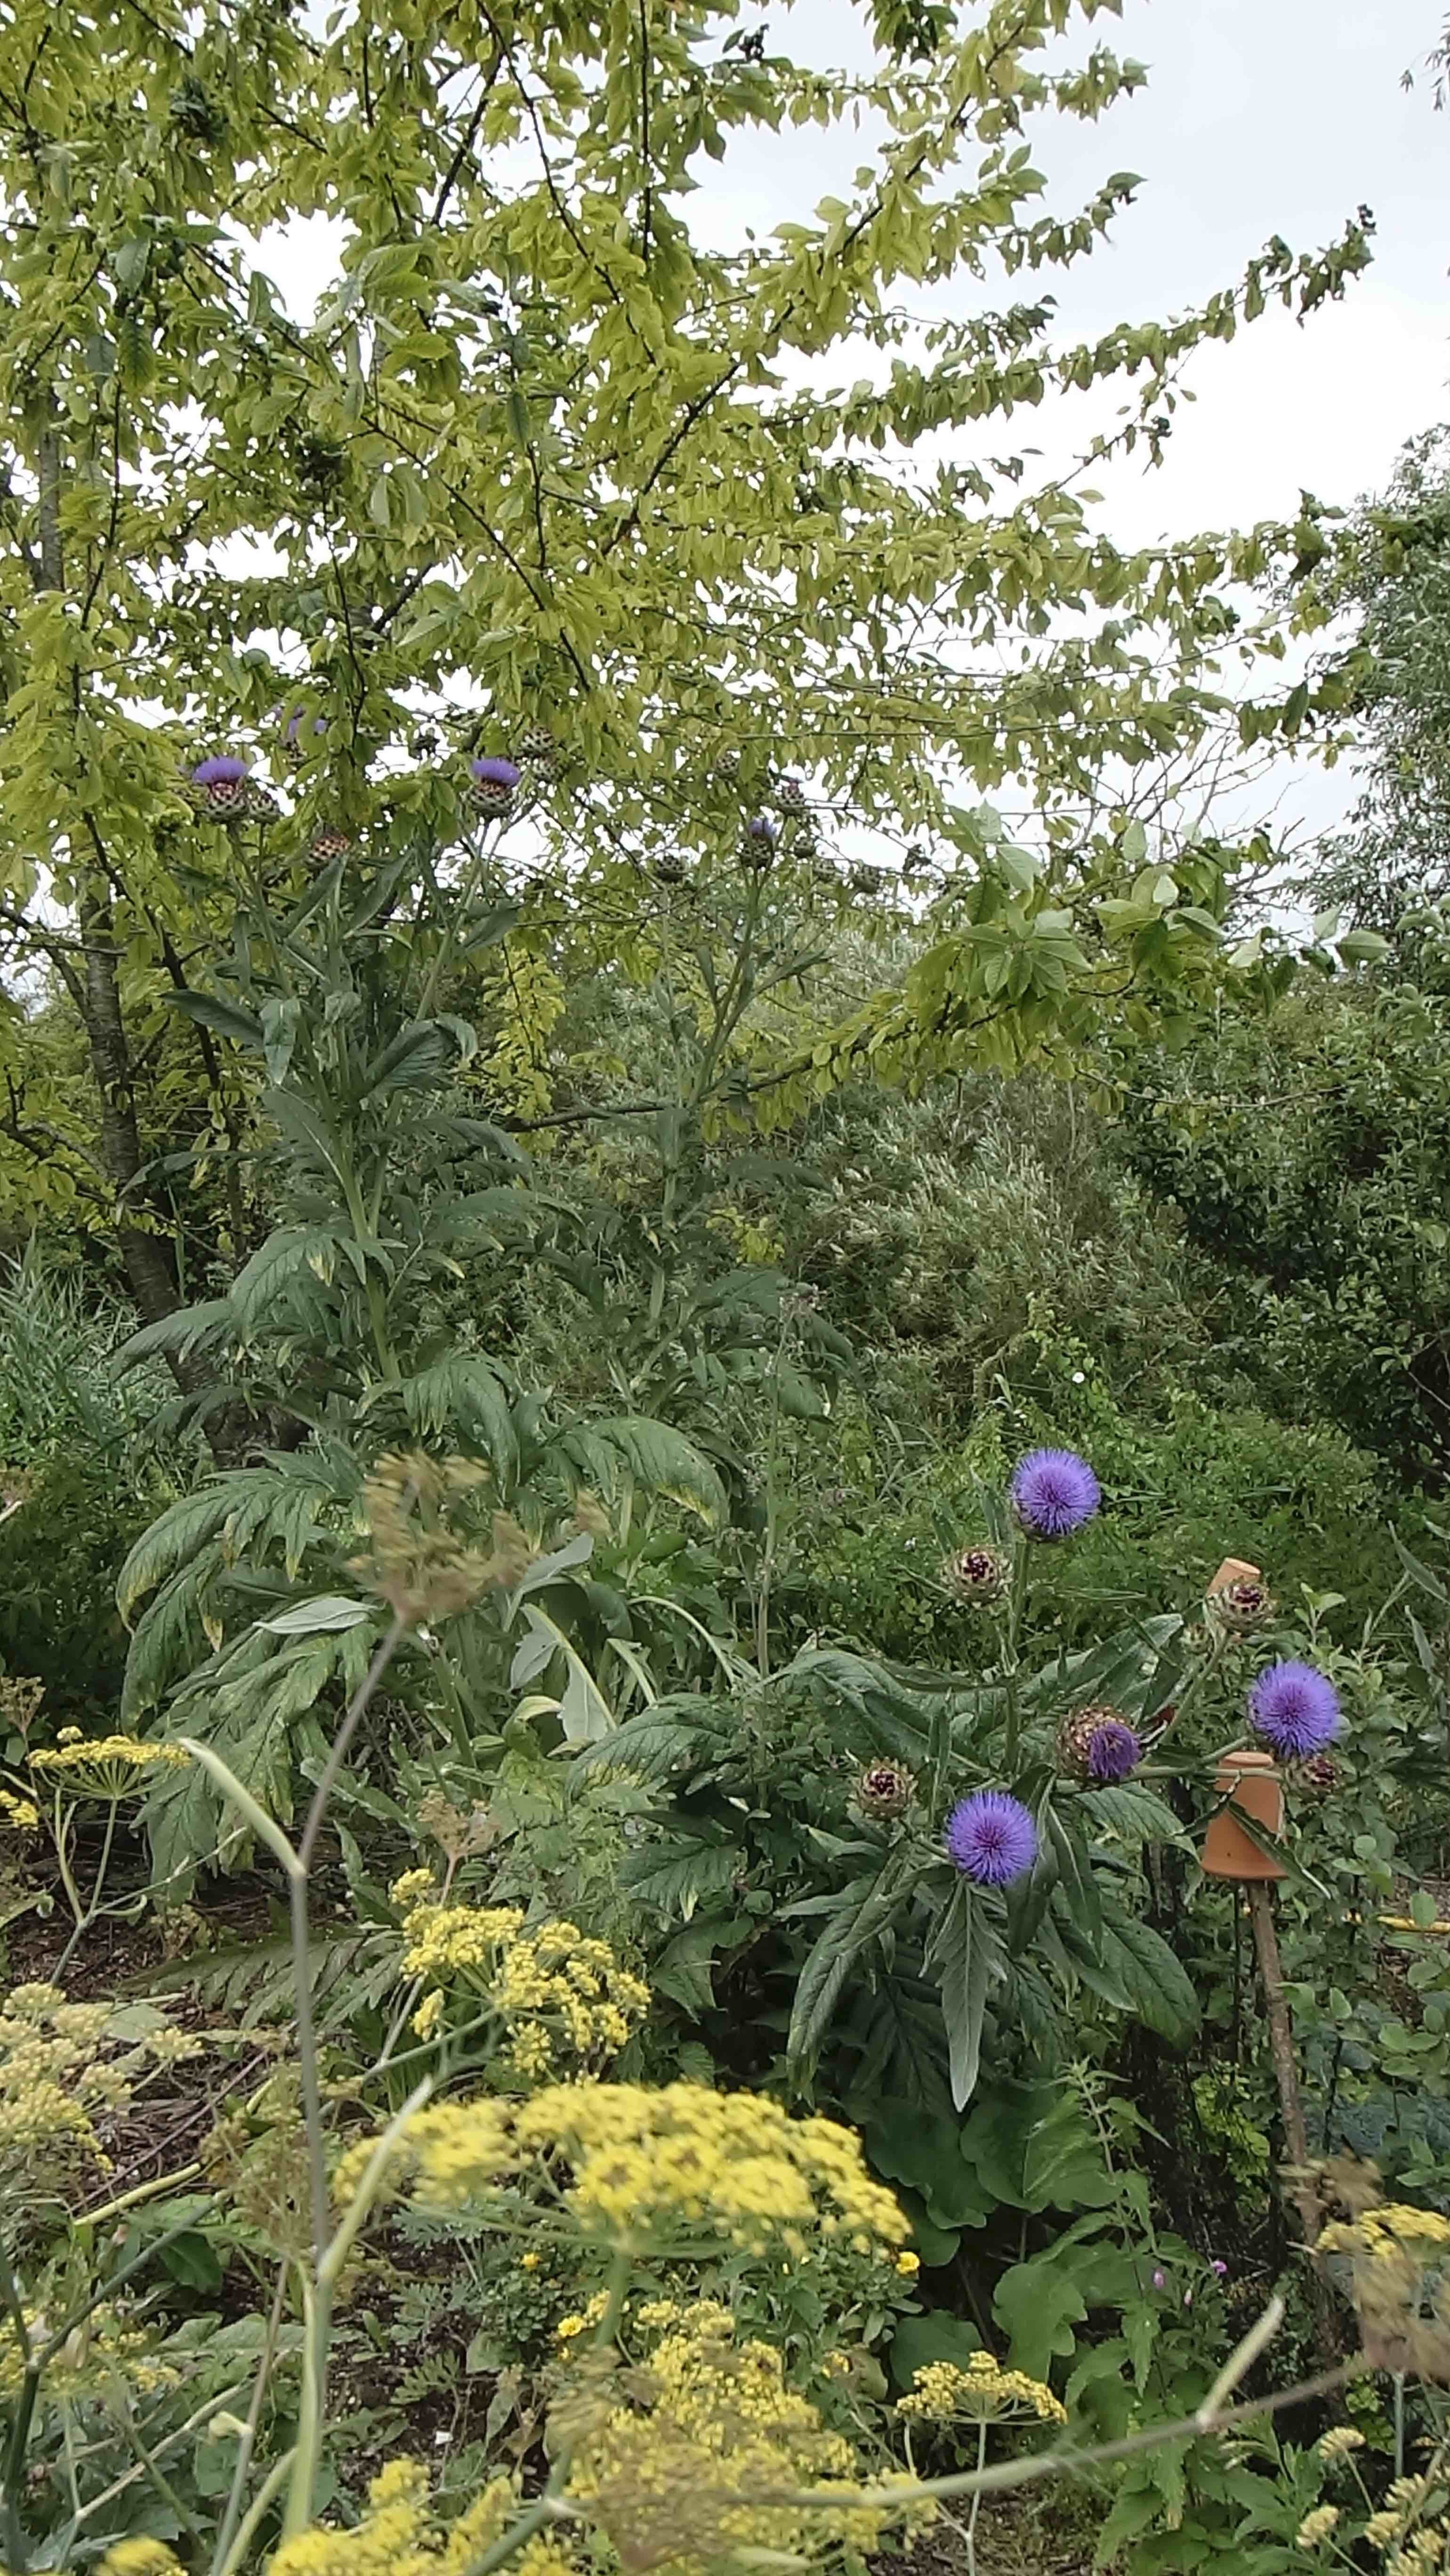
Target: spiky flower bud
x=1239 y=1608
x=301 y=737
x=1096 y=1744
x=976 y=1574
x=330 y=842
x=884 y=1790
x=790 y=795
x=222 y=784
x=1319 y=1775
x=493 y=781
x=757 y=841
x=726 y=766
x=670 y=868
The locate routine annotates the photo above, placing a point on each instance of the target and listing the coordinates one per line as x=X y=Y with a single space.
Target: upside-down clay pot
x=1256 y=1788
x=1234 y=1569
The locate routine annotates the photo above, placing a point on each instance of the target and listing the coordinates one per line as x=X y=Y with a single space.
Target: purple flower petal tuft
x=222 y=770
x=1114 y=1751
x=991 y=1838
x=493 y=771
x=1053 y=1492
x=1295 y=1709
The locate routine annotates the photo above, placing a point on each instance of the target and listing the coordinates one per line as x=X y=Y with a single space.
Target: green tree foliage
x=544 y=453
x=1390 y=569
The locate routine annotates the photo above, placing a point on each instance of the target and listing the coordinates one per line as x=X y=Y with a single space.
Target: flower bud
x=976 y=1574
x=1240 y=1607
x=884 y=1790
x=1097 y=1746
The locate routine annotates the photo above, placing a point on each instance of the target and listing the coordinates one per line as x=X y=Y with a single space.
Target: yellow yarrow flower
x=908 y=2264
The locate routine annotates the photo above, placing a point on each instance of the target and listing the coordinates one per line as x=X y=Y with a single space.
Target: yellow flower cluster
x=554 y=1985
x=629 y=2162
x=22 y=1813
x=56 y=2075
x=1339 y=2441
x=941 y=2393
x=562 y=1996
x=672 y=2479
x=1420 y=2555
x=397 y=2536
x=1316 y=2526
x=107 y=1766
x=101 y=2351
x=1399 y=2281
x=580 y=2323
x=1376 y=2230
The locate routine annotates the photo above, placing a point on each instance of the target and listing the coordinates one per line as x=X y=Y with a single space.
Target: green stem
x=255 y=2510
x=1016 y=1595
x=232 y=2517
x=16 y=2552
x=976 y=2500
x=83 y=1924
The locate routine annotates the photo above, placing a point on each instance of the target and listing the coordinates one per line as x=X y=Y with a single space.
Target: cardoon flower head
x=296 y=731
x=757 y=846
x=991 y=1838
x=1053 y=1492
x=221 y=784
x=1098 y=1745
x=493 y=782
x=1295 y=1709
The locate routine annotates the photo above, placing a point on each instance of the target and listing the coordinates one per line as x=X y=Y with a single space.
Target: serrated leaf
x=662 y=1459
x=675 y=1876
x=328 y=1611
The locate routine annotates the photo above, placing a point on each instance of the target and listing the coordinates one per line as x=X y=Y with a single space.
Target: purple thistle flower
x=493 y=771
x=1053 y=1492
x=222 y=770
x=1295 y=1709
x=761 y=828
x=991 y=1838
x=1113 y=1751
x=297 y=722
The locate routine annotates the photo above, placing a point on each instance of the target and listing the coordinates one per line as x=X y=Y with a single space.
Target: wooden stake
x=1259 y=1893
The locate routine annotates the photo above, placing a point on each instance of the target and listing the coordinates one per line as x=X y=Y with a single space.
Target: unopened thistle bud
x=1240 y=1607
x=976 y=1574
x=670 y=868
x=790 y=796
x=330 y=842
x=884 y=1790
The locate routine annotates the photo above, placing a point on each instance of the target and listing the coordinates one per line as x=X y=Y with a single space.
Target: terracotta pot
x=1257 y=1789
x=1232 y=1570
